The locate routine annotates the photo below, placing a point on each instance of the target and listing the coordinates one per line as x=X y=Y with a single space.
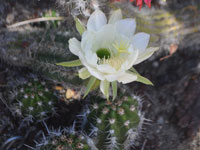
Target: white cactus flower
x=109 y=49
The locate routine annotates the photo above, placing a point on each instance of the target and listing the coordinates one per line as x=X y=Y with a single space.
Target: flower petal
x=104 y=37
x=115 y=16
x=84 y=73
x=126 y=27
x=91 y=58
x=140 y=41
x=74 y=46
x=94 y=72
x=146 y=54
x=96 y=20
x=114 y=76
x=127 y=78
x=87 y=41
x=131 y=59
x=111 y=77
x=106 y=68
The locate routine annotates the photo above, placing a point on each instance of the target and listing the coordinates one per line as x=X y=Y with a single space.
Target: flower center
x=115 y=56
x=103 y=53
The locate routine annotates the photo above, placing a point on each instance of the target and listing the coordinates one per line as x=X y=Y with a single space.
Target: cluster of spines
x=34 y=98
x=66 y=140
x=115 y=124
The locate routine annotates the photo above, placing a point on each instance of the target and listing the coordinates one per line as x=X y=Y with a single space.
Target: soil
x=172 y=105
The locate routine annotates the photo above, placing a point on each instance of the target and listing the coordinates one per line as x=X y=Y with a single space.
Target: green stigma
x=103 y=53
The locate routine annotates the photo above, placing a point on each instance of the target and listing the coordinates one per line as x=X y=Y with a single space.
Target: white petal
x=83 y=73
x=111 y=77
x=104 y=38
x=74 y=46
x=82 y=58
x=114 y=76
x=94 y=72
x=140 y=41
x=115 y=16
x=132 y=59
x=146 y=54
x=88 y=38
x=91 y=58
x=96 y=20
x=106 y=68
x=127 y=78
x=126 y=27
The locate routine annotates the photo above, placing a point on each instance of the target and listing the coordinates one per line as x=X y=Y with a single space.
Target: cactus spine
x=116 y=124
x=66 y=140
x=34 y=98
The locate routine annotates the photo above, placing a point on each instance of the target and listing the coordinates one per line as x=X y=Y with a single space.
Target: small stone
x=160 y=120
x=62 y=91
x=10 y=18
x=155 y=64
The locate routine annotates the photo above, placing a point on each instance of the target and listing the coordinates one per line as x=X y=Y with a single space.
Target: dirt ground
x=172 y=105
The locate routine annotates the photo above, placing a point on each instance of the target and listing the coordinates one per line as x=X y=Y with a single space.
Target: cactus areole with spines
x=35 y=98
x=112 y=121
x=66 y=142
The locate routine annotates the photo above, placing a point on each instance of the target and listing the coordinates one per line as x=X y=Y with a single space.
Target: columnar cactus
x=66 y=141
x=116 y=124
x=34 y=99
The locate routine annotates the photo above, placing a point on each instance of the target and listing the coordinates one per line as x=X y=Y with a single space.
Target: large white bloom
x=108 y=49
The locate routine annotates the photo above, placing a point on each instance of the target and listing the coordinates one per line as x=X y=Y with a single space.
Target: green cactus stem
x=65 y=140
x=34 y=98
x=115 y=124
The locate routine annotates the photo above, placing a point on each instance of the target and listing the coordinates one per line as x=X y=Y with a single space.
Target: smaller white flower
x=109 y=49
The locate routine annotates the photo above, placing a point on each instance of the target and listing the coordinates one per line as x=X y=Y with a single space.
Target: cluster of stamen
x=115 y=59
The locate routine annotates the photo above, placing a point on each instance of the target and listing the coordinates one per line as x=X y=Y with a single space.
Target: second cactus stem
x=115 y=124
